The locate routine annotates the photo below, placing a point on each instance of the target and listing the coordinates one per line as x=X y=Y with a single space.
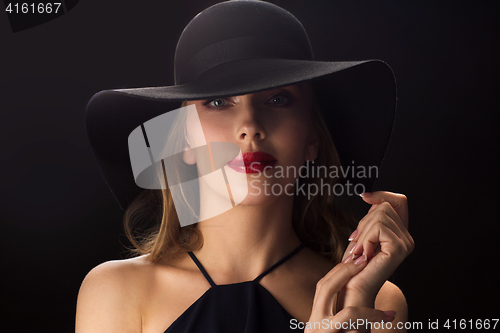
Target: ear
x=312 y=148
x=188 y=156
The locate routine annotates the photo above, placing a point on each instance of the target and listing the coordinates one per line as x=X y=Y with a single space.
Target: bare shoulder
x=391 y=298
x=109 y=297
x=137 y=295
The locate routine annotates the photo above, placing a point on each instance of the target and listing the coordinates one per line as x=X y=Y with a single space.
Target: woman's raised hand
x=379 y=244
x=323 y=317
x=382 y=239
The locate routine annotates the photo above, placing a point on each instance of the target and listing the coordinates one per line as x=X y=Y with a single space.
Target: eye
x=216 y=103
x=279 y=100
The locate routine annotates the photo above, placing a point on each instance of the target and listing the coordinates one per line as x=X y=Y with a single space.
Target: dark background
x=58 y=219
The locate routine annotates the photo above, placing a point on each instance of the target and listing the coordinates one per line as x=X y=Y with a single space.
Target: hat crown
x=238 y=29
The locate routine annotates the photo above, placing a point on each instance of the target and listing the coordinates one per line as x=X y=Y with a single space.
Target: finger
x=351 y=244
x=375 y=221
x=398 y=201
x=373 y=207
x=347 y=252
x=354 y=237
x=358 y=318
x=399 y=227
x=396 y=224
x=384 y=207
x=390 y=243
x=386 y=215
x=331 y=284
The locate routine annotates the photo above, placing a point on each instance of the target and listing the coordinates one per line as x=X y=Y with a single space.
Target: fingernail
x=360 y=260
x=348 y=259
x=366 y=194
x=353 y=248
x=353 y=235
x=390 y=313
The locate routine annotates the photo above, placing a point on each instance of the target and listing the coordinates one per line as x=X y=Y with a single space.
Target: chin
x=261 y=192
x=245 y=190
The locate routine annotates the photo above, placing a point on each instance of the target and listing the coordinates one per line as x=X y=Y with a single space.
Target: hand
x=382 y=235
x=323 y=317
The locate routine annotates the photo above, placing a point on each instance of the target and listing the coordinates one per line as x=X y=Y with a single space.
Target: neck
x=244 y=241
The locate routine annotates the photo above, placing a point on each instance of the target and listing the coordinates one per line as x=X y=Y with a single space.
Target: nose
x=251 y=128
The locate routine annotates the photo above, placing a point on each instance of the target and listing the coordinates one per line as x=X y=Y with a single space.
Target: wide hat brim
x=357 y=100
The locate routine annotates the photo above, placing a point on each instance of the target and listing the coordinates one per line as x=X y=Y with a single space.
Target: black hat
x=240 y=47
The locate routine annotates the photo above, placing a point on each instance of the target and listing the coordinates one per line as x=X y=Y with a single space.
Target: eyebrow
x=288 y=89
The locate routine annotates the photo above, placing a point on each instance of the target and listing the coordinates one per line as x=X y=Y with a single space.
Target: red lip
x=252 y=162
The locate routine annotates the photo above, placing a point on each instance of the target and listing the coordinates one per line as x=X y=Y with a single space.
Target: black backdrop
x=58 y=219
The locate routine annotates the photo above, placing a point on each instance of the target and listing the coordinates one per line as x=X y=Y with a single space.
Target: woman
x=246 y=245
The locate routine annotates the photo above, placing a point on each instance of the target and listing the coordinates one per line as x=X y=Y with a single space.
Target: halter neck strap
x=281 y=261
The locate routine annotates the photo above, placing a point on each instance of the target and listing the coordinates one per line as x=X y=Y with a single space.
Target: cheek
x=201 y=130
x=216 y=126
x=216 y=130
x=292 y=133
x=194 y=129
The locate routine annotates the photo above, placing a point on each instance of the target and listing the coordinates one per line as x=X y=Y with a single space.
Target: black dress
x=245 y=307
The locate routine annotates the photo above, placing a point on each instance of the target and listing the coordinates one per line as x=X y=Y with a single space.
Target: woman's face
x=272 y=128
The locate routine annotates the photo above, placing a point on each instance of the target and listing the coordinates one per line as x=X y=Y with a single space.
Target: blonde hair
x=152 y=225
